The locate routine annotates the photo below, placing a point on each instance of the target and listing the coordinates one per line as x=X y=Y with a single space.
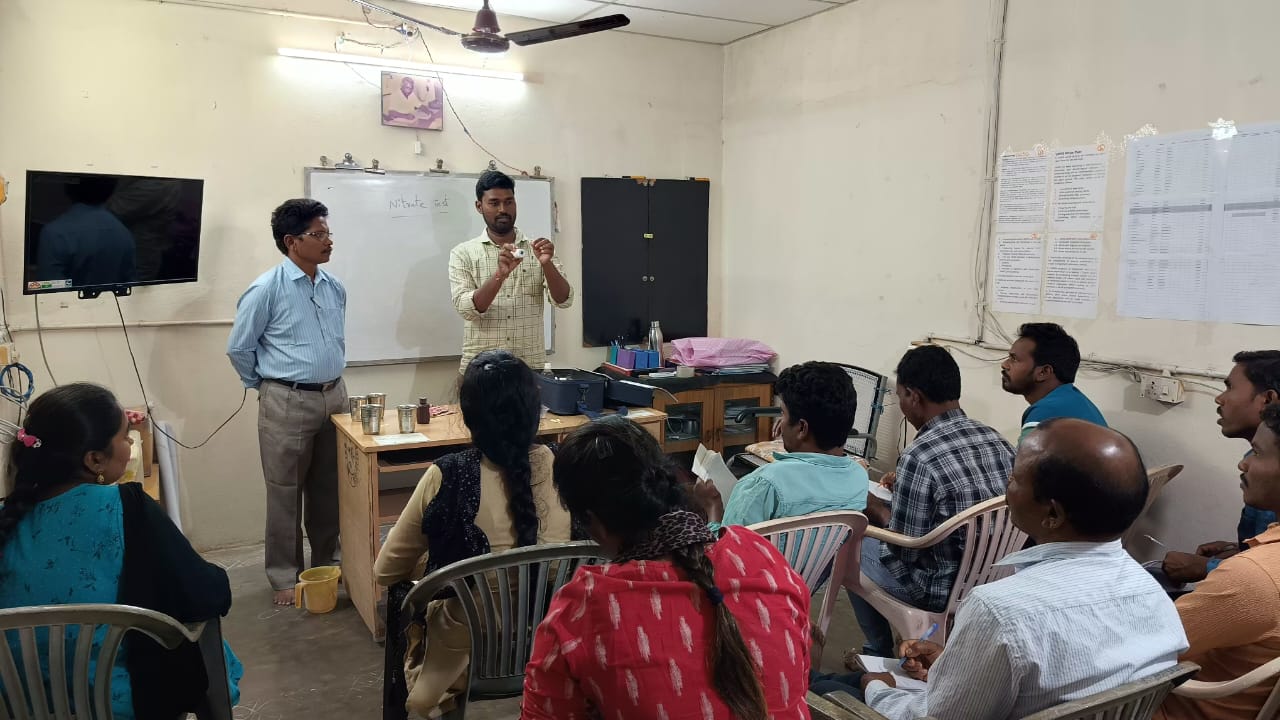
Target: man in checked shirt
x=955 y=462
x=499 y=279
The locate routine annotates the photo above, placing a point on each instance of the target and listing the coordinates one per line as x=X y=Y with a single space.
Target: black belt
x=314 y=387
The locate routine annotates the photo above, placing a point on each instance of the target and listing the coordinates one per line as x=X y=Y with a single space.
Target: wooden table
x=364 y=506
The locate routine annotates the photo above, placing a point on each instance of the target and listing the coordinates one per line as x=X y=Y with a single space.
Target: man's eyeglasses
x=320 y=235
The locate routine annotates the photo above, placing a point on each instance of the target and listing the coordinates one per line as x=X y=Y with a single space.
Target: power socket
x=1161 y=388
x=8 y=354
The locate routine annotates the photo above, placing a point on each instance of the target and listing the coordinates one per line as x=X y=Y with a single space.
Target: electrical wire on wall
x=987 y=321
x=986 y=220
x=408 y=32
x=4 y=316
x=155 y=424
x=35 y=299
x=1095 y=367
x=448 y=99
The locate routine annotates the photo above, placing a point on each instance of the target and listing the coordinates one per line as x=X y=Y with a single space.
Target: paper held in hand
x=709 y=466
x=873 y=664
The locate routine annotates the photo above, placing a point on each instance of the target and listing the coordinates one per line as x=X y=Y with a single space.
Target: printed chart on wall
x=1050 y=208
x=1201 y=238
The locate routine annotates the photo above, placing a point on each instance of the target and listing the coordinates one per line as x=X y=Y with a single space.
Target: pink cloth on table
x=720 y=352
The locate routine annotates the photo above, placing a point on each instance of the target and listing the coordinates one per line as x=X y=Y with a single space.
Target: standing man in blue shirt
x=1041 y=367
x=1252 y=384
x=814 y=474
x=288 y=342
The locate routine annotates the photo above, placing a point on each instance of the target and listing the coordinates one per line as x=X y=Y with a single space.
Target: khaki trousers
x=299 y=448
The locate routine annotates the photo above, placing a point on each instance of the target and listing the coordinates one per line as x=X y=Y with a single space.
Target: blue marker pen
x=928 y=634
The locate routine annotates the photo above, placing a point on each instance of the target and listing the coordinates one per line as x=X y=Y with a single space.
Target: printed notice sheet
x=1017 y=273
x=1201 y=227
x=1071 y=275
x=1022 y=192
x=1078 y=194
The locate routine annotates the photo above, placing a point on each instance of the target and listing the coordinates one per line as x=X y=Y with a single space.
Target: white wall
x=851 y=176
x=131 y=86
x=854 y=150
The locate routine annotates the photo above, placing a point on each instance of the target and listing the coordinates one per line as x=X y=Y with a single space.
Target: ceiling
x=709 y=21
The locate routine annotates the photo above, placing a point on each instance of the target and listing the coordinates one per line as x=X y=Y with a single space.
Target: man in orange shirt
x=1232 y=619
x=1253 y=384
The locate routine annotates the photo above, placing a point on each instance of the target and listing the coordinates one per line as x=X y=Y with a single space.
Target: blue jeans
x=877 y=630
x=823 y=683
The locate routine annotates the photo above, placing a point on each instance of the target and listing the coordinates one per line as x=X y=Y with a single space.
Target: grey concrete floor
x=302 y=666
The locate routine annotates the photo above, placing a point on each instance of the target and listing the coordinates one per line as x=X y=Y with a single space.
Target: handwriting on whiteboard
x=401 y=203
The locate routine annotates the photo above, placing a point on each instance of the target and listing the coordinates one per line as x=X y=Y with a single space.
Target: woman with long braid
x=494 y=497
x=683 y=623
x=68 y=534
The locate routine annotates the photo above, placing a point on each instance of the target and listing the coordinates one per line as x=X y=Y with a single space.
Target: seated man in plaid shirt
x=954 y=463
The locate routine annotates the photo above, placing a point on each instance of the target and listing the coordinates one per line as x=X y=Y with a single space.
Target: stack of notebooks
x=738 y=369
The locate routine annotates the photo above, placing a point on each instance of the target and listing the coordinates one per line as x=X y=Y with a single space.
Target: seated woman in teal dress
x=68 y=536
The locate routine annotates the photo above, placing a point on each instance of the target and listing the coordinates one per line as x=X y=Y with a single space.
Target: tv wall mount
x=122 y=291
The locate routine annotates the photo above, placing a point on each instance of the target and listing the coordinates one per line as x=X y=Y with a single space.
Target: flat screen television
x=91 y=233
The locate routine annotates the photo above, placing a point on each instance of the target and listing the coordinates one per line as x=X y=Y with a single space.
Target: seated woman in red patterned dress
x=683 y=623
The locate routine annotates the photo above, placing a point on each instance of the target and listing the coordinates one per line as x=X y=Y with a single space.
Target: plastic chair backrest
x=504 y=597
x=989 y=536
x=1135 y=700
x=810 y=543
x=43 y=634
x=871 y=388
x=1157 y=478
x=1209 y=690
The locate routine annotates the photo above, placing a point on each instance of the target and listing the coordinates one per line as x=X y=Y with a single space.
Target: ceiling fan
x=486 y=36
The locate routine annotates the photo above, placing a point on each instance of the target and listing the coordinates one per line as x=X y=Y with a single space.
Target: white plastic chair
x=841 y=706
x=1135 y=700
x=1157 y=478
x=504 y=596
x=989 y=536
x=1200 y=690
x=89 y=698
x=814 y=544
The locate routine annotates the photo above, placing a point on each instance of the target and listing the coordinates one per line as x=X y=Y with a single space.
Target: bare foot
x=283 y=597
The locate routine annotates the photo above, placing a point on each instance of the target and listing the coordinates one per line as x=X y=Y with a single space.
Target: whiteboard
x=392 y=235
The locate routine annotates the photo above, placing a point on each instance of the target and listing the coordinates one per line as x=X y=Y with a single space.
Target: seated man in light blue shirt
x=1041 y=367
x=1077 y=617
x=814 y=474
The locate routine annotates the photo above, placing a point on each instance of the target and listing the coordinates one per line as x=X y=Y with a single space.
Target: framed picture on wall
x=411 y=101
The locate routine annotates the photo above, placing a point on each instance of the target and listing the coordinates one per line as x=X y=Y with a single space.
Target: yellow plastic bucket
x=319 y=587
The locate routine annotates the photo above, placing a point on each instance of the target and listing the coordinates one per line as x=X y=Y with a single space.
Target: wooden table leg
x=357 y=517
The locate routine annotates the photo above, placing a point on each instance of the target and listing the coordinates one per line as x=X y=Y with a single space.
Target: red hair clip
x=28 y=439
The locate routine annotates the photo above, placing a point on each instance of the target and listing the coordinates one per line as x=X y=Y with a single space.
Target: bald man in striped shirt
x=289 y=343
x=1077 y=617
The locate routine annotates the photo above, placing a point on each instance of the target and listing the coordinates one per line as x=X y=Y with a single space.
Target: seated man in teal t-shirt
x=814 y=474
x=1041 y=367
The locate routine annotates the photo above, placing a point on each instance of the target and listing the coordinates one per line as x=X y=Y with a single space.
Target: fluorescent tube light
x=392 y=64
